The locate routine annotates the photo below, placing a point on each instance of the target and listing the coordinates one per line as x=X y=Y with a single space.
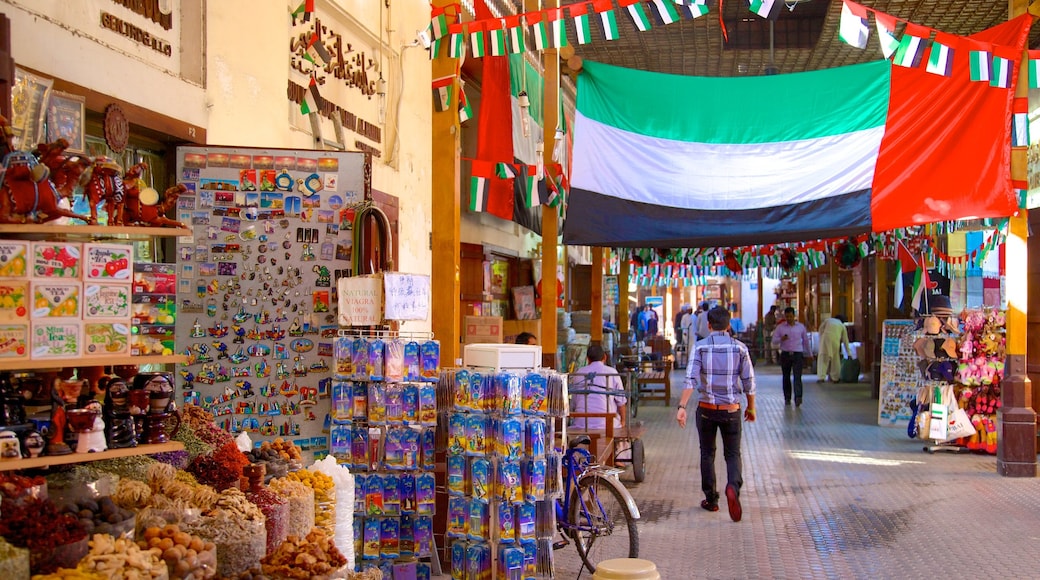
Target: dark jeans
x=792 y=362
x=709 y=423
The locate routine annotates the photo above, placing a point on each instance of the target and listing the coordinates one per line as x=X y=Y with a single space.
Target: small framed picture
x=65 y=120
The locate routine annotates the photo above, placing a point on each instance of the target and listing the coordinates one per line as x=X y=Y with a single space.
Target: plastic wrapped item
x=14 y=562
x=274 y=507
x=301 y=505
x=343 y=517
x=65 y=556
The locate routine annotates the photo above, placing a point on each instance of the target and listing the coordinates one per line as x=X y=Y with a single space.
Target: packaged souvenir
x=360 y=401
x=428 y=444
x=55 y=259
x=476 y=393
x=425 y=485
x=394 y=449
x=359 y=356
x=391 y=495
x=535 y=394
x=478 y=561
x=359 y=448
x=506 y=522
x=394 y=360
x=458 y=561
x=407 y=493
x=510 y=439
x=107 y=261
x=412 y=357
x=394 y=403
x=360 y=488
x=536 y=437
x=534 y=479
x=14 y=259
x=456 y=477
x=407 y=548
x=480 y=479
x=389 y=538
x=375 y=448
x=374 y=495
x=422 y=571
x=461 y=388
x=530 y=548
x=525 y=521
x=477 y=431
x=372 y=539
x=342 y=349
x=479 y=520
x=423 y=536
x=508 y=482
x=410 y=446
x=511 y=563
x=410 y=403
x=377 y=403
x=339 y=442
x=457 y=426
x=458 y=516
x=428 y=404
x=375 y=368
x=508 y=393
x=430 y=362
x=342 y=400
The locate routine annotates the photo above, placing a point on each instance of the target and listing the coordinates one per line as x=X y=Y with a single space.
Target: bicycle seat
x=579 y=441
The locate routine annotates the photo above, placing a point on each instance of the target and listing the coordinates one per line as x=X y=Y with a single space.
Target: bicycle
x=596 y=511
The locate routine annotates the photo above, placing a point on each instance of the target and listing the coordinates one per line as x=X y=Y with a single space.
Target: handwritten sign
x=407 y=296
x=360 y=300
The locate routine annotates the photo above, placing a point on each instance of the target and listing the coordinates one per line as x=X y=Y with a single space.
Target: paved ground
x=829 y=494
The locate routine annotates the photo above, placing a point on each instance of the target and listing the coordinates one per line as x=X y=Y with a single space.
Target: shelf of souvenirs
x=93 y=361
x=52 y=231
x=49 y=460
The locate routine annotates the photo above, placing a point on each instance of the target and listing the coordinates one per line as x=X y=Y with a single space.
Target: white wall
x=749 y=298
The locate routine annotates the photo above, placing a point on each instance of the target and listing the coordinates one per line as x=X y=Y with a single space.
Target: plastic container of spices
x=274 y=507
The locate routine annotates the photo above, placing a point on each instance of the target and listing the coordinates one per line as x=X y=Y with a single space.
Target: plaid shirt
x=720 y=369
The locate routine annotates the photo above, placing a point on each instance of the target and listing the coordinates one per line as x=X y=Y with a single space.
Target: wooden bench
x=655 y=382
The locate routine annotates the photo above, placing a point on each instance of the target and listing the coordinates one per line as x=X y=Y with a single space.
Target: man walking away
x=703 y=329
x=833 y=336
x=791 y=337
x=768 y=326
x=720 y=371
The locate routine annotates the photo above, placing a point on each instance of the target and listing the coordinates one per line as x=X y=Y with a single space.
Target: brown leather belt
x=733 y=407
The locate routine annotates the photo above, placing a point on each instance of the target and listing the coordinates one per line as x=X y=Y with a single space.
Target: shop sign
x=407 y=296
x=360 y=300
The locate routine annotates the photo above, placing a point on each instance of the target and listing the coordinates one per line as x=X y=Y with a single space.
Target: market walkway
x=829 y=494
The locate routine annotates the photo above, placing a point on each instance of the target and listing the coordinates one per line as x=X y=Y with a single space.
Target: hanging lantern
x=731 y=262
x=847 y=254
x=788 y=259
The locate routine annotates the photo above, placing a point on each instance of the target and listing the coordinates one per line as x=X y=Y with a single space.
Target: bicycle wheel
x=604 y=526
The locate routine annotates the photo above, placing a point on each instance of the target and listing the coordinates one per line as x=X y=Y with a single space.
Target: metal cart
x=620 y=445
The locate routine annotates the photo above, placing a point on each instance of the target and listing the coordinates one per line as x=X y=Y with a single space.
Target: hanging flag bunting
x=465 y=110
x=940 y=58
x=505 y=170
x=497 y=39
x=853 y=28
x=911 y=46
x=766 y=8
x=476 y=39
x=557 y=28
x=435 y=48
x=439 y=24
x=607 y=18
x=316 y=52
x=479 y=184
x=456 y=44
x=1020 y=123
x=695 y=9
x=516 y=35
x=886 y=27
x=1034 y=68
x=666 y=11
x=979 y=63
x=536 y=21
x=1003 y=60
x=530 y=185
x=442 y=92
x=582 y=30
x=311 y=98
x=305 y=9
x=637 y=12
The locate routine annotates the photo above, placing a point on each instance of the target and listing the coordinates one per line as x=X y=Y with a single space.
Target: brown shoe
x=733 y=502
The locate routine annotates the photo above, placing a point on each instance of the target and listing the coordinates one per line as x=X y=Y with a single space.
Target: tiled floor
x=830 y=494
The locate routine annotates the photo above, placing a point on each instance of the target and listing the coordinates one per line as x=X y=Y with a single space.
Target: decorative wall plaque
x=117 y=128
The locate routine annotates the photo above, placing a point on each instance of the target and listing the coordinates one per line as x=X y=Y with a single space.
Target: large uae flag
x=676 y=161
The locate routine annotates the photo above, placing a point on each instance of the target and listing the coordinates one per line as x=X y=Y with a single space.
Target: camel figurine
x=27 y=192
x=65 y=171
x=132 y=187
x=155 y=215
x=104 y=182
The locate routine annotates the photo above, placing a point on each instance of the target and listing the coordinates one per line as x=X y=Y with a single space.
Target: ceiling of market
x=805 y=35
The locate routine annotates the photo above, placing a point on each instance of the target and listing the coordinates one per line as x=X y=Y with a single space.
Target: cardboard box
x=108 y=262
x=154 y=278
x=53 y=338
x=164 y=313
x=14 y=259
x=143 y=345
x=56 y=299
x=482 y=329
x=49 y=260
x=14 y=341
x=14 y=301
x=103 y=301
x=105 y=338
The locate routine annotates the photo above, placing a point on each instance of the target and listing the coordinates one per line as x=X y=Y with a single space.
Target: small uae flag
x=439 y=24
x=311 y=98
x=1002 y=63
x=853 y=28
x=911 y=46
x=480 y=185
x=766 y=8
x=497 y=37
x=637 y=12
x=1020 y=123
x=696 y=9
x=476 y=39
x=515 y=31
x=316 y=52
x=541 y=35
x=529 y=184
x=442 y=92
x=456 y=44
x=305 y=9
x=940 y=57
x=505 y=170
x=582 y=30
x=1034 y=68
x=666 y=11
x=557 y=29
x=607 y=18
x=886 y=27
x=979 y=63
x=465 y=110
x=435 y=47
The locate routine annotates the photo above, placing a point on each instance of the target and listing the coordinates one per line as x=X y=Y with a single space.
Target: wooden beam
x=445 y=238
x=597 y=295
x=550 y=219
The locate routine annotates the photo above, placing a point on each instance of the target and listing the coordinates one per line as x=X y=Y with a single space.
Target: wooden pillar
x=550 y=219
x=834 y=290
x=1016 y=447
x=761 y=302
x=446 y=214
x=6 y=67
x=597 y=295
x=623 y=313
x=802 y=299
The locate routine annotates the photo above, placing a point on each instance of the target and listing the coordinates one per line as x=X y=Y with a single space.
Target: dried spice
x=201 y=423
x=37 y=524
x=304 y=558
x=14 y=486
x=221 y=469
x=301 y=504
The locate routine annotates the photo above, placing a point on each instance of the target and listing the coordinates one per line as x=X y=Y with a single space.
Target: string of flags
x=539 y=184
